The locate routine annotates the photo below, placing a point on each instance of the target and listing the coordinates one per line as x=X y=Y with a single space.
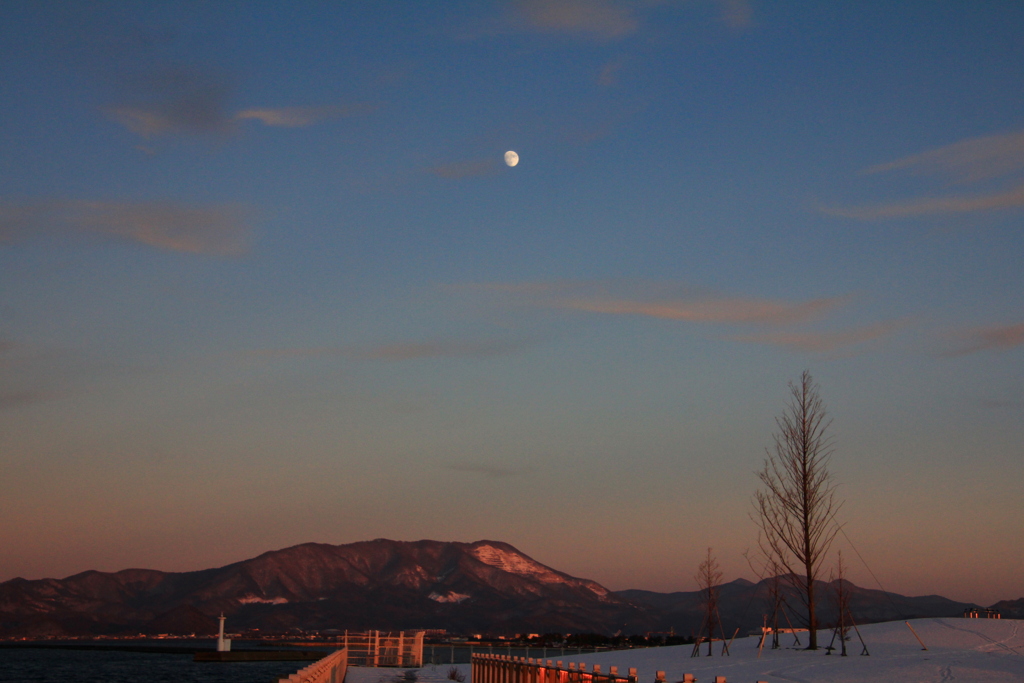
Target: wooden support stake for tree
x=923 y=646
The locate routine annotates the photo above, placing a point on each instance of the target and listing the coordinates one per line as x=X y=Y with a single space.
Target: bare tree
x=841 y=595
x=708 y=578
x=795 y=508
x=775 y=598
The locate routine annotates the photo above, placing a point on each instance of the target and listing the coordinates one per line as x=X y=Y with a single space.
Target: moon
x=511 y=158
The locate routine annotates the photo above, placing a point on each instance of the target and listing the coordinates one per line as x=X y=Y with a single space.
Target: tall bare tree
x=708 y=578
x=796 y=506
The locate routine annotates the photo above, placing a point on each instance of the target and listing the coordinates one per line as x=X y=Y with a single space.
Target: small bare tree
x=708 y=578
x=841 y=595
x=796 y=507
x=775 y=598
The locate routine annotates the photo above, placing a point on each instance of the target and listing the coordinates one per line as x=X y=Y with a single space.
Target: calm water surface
x=54 y=665
x=83 y=666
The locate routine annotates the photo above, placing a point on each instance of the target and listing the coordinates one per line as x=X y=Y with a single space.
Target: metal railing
x=463 y=653
x=383 y=648
x=330 y=669
x=502 y=669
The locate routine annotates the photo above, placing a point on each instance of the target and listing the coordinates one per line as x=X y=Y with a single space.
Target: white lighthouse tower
x=223 y=644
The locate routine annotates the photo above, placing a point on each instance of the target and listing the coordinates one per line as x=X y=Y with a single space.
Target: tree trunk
x=812 y=618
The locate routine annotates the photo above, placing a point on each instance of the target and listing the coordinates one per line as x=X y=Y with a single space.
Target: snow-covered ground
x=961 y=650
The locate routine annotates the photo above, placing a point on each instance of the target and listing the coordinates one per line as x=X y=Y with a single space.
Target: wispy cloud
x=467 y=169
x=298 y=117
x=174 y=100
x=296 y=352
x=610 y=72
x=193 y=101
x=7 y=348
x=217 y=230
x=967 y=161
x=990 y=338
x=821 y=342
x=600 y=19
x=394 y=352
x=737 y=14
x=717 y=310
x=443 y=349
x=490 y=471
x=753 y=320
x=1000 y=404
x=933 y=205
x=16 y=399
x=660 y=300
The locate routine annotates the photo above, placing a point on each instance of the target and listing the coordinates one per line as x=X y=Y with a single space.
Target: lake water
x=89 y=665
x=18 y=665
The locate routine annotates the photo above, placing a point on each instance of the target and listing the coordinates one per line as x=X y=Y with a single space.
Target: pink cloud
x=218 y=230
x=467 y=169
x=597 y=18
x=719 y=310
x=16 y=399
x=444 y=349
x=393 y=352
x=658 y=300
x=991 y=338
x=295 y=352
x=933 y=205
x=297 y=117
x=820 y=342
x=968 y=161
x=737 y=14
x=490 y=471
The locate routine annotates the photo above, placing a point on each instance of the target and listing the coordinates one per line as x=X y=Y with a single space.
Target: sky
x=265 y=279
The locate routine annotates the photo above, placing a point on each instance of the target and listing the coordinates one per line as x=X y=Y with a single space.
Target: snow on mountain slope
x=450 y=596
x=514 y=563
x=517 y=563
x=254 y=599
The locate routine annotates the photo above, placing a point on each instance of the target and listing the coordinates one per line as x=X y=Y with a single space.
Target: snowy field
x=961 y=650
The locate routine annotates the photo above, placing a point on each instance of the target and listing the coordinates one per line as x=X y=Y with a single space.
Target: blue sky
x=265 y=279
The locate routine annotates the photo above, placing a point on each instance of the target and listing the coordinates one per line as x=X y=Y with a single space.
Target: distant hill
x=1010 y=609
x=482 y=587
x=182 y=620
x=744 y=604
x=487 y=586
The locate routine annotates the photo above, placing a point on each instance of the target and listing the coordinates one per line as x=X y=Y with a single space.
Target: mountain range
x=483 y=587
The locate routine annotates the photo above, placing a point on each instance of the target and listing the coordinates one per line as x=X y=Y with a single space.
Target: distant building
x=981 y=613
